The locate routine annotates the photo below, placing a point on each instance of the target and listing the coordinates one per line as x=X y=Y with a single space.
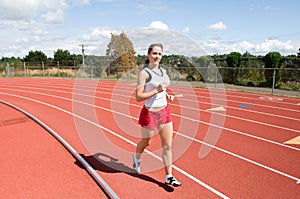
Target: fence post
x=7 y=69
x=43 y=68
x=58 y=74
x=74 y=69
x=24 y=66
x=216 y=77
x=273 y=84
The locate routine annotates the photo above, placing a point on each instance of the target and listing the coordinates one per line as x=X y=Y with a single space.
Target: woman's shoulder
x=163 y=69
x=144 y=72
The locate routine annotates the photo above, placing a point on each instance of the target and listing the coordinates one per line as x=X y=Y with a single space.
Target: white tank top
x=158 y=100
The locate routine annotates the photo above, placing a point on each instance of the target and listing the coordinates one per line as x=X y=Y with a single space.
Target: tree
x=61 y=55
x=202 y=64
x=234 y=62
x=64 y=57
x=35 y=56
x=202 y=61
x=272 y=60
x=120 y=54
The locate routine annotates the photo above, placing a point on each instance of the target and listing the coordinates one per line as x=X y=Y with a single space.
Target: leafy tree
x=272 y=60
x=12 y=62
x=234 y=62
x=290 y=69
x=35 y=56
x=61 y=55
x=140 y=59
x=202 y=61
x=64 y=57
x=120 y=53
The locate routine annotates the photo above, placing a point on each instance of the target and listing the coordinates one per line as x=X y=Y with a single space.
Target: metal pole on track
x=110 y=193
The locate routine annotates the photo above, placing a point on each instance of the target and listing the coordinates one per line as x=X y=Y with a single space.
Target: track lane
x=248 y=115
x=233 y=122
x=201 y=191
x=35 y=165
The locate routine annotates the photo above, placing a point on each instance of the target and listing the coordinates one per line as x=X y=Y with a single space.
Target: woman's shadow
x=111 y=165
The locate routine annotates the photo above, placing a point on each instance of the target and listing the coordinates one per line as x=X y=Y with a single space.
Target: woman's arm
x=140 y=95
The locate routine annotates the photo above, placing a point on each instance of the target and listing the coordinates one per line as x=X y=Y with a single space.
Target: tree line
x=234 y=68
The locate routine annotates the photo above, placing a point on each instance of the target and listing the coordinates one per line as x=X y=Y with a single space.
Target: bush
x=289 y=85
x=190 y=78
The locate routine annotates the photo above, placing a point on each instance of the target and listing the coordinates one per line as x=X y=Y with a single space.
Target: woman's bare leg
x=166 y=135
x=144 y=142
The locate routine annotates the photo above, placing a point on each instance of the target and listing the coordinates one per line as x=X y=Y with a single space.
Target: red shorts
x=151 y=119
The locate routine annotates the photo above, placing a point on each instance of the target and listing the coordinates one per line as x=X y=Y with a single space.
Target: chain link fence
x=242 y=78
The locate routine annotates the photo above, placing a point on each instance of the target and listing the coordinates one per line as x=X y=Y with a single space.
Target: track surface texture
x=227 y=144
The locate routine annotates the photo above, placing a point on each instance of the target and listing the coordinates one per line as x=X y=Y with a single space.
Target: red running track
x=35 y=165
x=247 y=158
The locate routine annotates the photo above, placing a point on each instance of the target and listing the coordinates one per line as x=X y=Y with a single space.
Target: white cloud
x=85 y=2
x=98 y=34
x=284 y=47
x=186 y=30
x=54 y=17
x=19 y=9
x=36 y=38
x=270 y=8
x=158 y=25
x=174 y=42
x=273 y=45
x=28 y=17
x=218 y=26
x=50 y=10
x=154 y=6
x=22 y=40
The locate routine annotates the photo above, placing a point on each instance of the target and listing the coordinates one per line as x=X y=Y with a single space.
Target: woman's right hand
x=161 y=87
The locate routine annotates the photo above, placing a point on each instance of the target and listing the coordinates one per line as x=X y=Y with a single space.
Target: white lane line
x=245 y=159
x=223 y=150
x=196 y=92
x=71 y=149
x=180 y=116
x=121 y=137
x=231 y=107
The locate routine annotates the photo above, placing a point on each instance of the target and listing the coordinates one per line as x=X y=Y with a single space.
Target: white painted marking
x=72 y=150
x=295 y=140
x=191 y=119
x=271 y=98
x=220 y=108
x=129 y=141
x=121 y=137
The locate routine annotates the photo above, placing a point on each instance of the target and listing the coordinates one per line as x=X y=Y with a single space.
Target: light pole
x=82 y=51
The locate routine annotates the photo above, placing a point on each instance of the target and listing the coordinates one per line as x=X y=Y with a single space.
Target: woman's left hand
x=170 y=97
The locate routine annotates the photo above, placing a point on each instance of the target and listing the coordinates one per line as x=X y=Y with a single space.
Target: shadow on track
x=111 y=165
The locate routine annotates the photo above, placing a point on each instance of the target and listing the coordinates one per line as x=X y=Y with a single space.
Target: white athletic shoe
x=136 y=164
x=172 y=181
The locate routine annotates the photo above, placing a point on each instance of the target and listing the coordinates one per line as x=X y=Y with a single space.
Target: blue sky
x=214 y=26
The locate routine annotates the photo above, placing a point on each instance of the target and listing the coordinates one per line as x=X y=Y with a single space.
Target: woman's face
x=155 y=55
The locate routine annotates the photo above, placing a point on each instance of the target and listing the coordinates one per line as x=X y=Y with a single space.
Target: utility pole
x=82 y=51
